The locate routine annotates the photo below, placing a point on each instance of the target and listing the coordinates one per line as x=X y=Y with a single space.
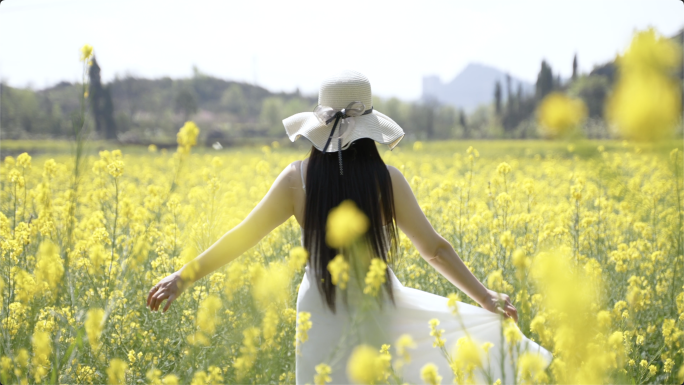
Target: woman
x=345 y=164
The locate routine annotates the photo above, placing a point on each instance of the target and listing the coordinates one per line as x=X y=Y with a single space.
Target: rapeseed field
x=586 y=238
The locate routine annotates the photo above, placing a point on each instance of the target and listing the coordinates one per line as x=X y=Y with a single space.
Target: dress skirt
x=333 y=336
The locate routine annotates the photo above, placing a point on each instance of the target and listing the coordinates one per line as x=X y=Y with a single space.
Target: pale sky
x=282 y=45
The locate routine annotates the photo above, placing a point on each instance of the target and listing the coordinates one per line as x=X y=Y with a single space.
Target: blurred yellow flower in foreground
x=187 y=137
x=467 y=352
x=170 y=379
x=322 y=374
x=206 y=316
x=339 y=271
x=42 y=348
x=375 y=277
x=404 y=342
x=646 y=102
x=302 y=330
x=298 y=258
x=558 y=114
x=429 y=374
x=366 y=365
x=49 y=268
x=270 y=286
x=345 y=223
x=531 y=368
x=86 y=52
x=437 y=333
x=116 y=373
x=93 y=327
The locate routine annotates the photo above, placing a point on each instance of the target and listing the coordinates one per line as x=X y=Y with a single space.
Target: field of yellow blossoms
x=586 y=237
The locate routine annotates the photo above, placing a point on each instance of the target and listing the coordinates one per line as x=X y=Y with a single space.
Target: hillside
x=152 y=110
x=471 y=87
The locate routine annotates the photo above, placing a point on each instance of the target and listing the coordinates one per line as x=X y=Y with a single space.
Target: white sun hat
x=344 y=114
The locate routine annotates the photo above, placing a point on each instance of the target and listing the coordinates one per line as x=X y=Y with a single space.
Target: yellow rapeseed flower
x=322 y=374
x=558 y=114
x=298 y=258
x=452 y=302
x=170 y=379
x=437 y=333
x=345 y=224
x=302 y=330
x=154 y=376
x=93 y=327
x=467 y=352
x=248 y=352
x=366 y=365
x=86 y=52
x=24 y=160
x=271 y=285
x=116 y=168
x=187 y=137
x=646 y=101
x=375 y=276
x=503 y=168
x=404 y=342
x=49 y=267
x=42 y=349
x=430 y=375
x=116 y=373
x=520 y=260
x=531 y=368
x=511 y=332
x=207 y=314
x=339 y=271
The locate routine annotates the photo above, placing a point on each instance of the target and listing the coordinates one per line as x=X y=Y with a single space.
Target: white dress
x=332 y=337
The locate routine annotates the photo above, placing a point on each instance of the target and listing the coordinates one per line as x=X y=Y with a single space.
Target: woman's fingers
x=512 y=311
x=158 y=298
x=168 y=302
x=151 y=293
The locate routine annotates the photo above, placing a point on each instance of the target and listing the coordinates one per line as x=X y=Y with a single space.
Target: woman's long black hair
x=367 y=182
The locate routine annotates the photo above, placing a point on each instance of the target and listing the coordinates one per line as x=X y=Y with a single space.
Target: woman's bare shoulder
x=395 y=174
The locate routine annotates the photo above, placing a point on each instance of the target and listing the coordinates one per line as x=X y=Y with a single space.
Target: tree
x=271 y=115
x=574 y=67
x=509 y=93
x=464 y=124
x=423 y=117
x=593 y=90
x=544 y=81
x=101 y=103
x=234 y=100
x=185 y=103
x=497 y=98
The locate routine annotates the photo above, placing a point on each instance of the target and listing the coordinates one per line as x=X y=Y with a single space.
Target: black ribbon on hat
x=328 y=114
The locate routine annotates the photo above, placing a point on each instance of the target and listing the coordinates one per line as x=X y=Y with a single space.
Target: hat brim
x=375 y=125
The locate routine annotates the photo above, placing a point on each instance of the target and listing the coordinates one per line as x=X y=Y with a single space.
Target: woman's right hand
x=499 y=303
x=168 y=288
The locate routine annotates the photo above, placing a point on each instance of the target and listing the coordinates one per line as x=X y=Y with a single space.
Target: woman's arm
x=274 y=209
x=437 y=251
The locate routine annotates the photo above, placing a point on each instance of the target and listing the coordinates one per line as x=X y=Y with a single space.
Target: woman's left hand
x=500 y=303
x=168 y=288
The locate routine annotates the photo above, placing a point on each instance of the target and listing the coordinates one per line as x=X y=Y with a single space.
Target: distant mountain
x=472 y=87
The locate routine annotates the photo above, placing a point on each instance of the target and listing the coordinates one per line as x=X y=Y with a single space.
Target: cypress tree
x=101 y=103
x=497 y=98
